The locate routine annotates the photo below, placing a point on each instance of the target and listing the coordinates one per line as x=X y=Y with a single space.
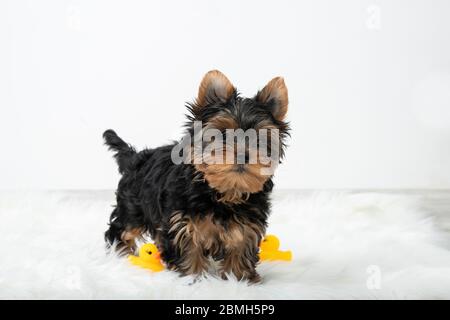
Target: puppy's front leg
x=241 y=253
x=187 y=243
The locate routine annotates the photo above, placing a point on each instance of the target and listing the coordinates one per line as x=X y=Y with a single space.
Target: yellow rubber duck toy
x=269 y=250
x=149 y=258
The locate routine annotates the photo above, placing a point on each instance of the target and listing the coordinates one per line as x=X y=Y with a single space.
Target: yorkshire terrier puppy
x=197 y=209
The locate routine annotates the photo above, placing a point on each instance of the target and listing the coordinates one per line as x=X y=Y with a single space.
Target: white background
x=369 y=84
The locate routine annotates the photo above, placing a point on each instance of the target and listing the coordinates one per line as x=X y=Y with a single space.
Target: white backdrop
x=369 y=84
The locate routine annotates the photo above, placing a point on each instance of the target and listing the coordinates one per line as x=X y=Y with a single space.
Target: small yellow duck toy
x=149 y=258
x=269 y=250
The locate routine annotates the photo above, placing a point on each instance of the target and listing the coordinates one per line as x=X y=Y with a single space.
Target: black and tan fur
x=195 y=212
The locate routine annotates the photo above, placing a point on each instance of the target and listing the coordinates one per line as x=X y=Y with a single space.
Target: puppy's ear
x=214 y=87
x=275 y=94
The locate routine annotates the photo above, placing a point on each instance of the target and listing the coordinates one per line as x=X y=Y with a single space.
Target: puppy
x=196 y=205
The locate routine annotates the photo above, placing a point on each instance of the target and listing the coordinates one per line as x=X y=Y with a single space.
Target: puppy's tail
x=124 y=152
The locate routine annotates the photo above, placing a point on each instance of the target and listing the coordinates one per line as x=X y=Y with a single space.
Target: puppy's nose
x=240 y=168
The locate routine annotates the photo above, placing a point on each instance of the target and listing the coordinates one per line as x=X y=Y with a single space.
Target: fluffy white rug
x=345 y=245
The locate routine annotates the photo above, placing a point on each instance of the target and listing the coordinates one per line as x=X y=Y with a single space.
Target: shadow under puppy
x=195 y=210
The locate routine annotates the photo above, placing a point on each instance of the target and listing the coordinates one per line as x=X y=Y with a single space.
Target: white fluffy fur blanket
x=345 y=245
